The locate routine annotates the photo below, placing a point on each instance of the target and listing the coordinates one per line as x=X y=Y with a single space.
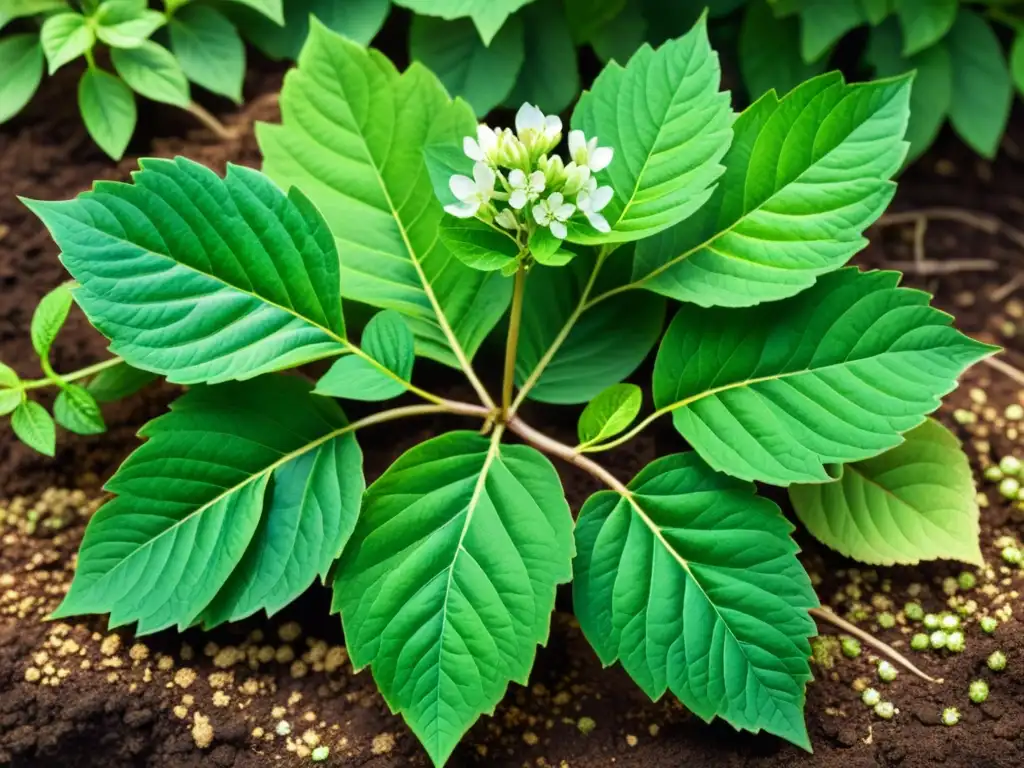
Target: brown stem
x=219 y=129
x=823 y=614
x=981 y=221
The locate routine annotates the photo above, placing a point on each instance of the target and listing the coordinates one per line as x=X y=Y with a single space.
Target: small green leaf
x=924 y=22
x=209 y=49
x=65 y=37
x=48 y=319
x=476 y=244
x=77 y=411
x=34 y=427
x=152 y=71
x=19 y=9
x=550 y=75
x=388 y=340
x=126 y=23
x=769 y=52
x=547 y=249
x=118 y=382
x=914 y=502
x=21 y=61
x=481 y=74
x=876 y=11
x=1016 y=62
x=108 y=110
x=609 y=413
x=358 y=20
x=488 y=15
x=8 y=377
x=982 y=88
x=9 y=400
x=272 y=9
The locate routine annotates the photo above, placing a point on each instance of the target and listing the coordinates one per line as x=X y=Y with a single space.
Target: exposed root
x=943 y=267
x=983 y=222
x=823 y=614
x=1004 y=368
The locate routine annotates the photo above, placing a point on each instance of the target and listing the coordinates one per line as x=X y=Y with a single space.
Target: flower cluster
x=540 y=190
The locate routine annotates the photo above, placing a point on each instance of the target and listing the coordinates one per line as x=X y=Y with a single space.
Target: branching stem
x=512 y=345
x=82 y=373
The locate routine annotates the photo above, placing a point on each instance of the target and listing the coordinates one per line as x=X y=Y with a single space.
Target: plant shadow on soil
x=70 y=695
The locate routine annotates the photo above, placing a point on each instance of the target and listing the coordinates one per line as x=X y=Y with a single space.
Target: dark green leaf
x=118 y=382
x=824 y=22
x=358 y=20
x=620 y=38
x=982 y=89
x=488 y=15
x=924 y=22
x=550 y=75
x=19 y=9
x=769 y=52
x=587 y=17
x=77 y=411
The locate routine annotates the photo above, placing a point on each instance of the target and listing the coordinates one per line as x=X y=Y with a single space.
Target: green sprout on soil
x=931 y=621
x=320 y=754
x=920 y=642
x=955 y=641
x=949 y=621
x=937 y=639
x=978 y=691
x=967 y=581
x=886 y=672
x=950 y=716
x=913 y=611
x=886 y=620
x=1009 y=487
x=885 y=710
x=871 y=697
x=988 y=624
x=458 y=235
x=1010 y=465
x=1012 y=555
x=996 y=661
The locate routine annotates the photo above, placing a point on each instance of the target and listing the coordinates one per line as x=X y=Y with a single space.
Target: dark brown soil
x=74 y=695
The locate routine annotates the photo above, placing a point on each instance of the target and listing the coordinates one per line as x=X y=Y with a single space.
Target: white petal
x=577 y=142
x=552 y=125
x=529 y=118
x=537 y=181
x=598 y=222
x=541 y=215
x=555 y=200
x=506 y=219
x=463 y=210
x=517 y=179
x=558 y=230
x=600 y=158
x=517 y=199
x=563 y=212
x=484 y=176
x=472 y=149
x=487 y=137
x=600 y=197
x=462 y=187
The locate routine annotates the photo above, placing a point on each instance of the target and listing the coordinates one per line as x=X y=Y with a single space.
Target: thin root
x=823 y=614
x=1004 y=368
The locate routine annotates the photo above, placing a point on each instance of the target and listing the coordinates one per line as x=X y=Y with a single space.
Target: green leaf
x=804 y=177
x=877 y=11
x=769 y=52
x=550 y=75
x=228 y=277
x=9 y=400
x=777 y=392
x=547 y=249
x=587 y=17
x=48 y=319
x=924 y=22
x=108 y=110
x=824 y=22
x=488 y=15
x=152 y=71
x=65 y=37
x=481 y=246
x=21 y=61
x=126 y=23
x=118 y=382
x=693 y=584
x=343 y=142
x=620 y=38
x=449 y=582
x=387 y=340
x=481 y=74
x=667 y=154
x=8 y=376
x=77 y=411
x=608 y=342
x=914 y=502
x=609 y=413
x=19 y=9
x=209 y=50
x=240 y=496
x=1016 y=63
x=272 y=9
x=982 y=89
x=932 y=91
x=34 y=427
x=358 y=20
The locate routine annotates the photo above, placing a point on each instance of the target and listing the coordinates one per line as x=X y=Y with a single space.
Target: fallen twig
x=944 y=267
x=1005 y=368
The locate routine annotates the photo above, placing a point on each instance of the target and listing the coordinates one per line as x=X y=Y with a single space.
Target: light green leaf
x=488 y=15
x=65 y=37
x=824 y=22
x=769 y=52
x=19 y=9
x=240 y=496
x=126 y=23
x=209 y=50
x=8 y=376
x=932 y=91
x=609 y=342
x=48 y=319
x=228 y=277
x=9 y=400
x=777 y=392
x=550 y=75
x=481 y=74
x=804 y=177
x=914 y=502
x=77 y=411
x=387 y=340
x=982 y=89
x=1016 y=62
x=667 y=154
x=609 y=413
x=118 y=382
x=272 y=9
x=108 y=110
x=34 y=427
x=924 y=22
x=693 y=585
x=620 y=38
x=358 y=20
x=151 y=70
x=21 y=61
x=476 y=244
x=449 y=582
x=353 y=138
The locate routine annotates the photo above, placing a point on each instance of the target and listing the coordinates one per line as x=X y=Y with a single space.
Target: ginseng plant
x=778 y=366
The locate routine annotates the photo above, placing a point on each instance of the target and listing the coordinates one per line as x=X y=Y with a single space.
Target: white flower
x=553 y=213
x=472 y=193
x=525 y=189
x=484 y=147
x=587 y=153
x=576 y=178
x=591 y=200
x=506 y=219
x=536 y=130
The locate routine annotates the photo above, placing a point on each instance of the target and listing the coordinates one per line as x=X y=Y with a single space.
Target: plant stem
x=82 y=373
x=626 y=436
x=421 y=409
x=826 y=615
x=512 y=344
x=222 y=132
